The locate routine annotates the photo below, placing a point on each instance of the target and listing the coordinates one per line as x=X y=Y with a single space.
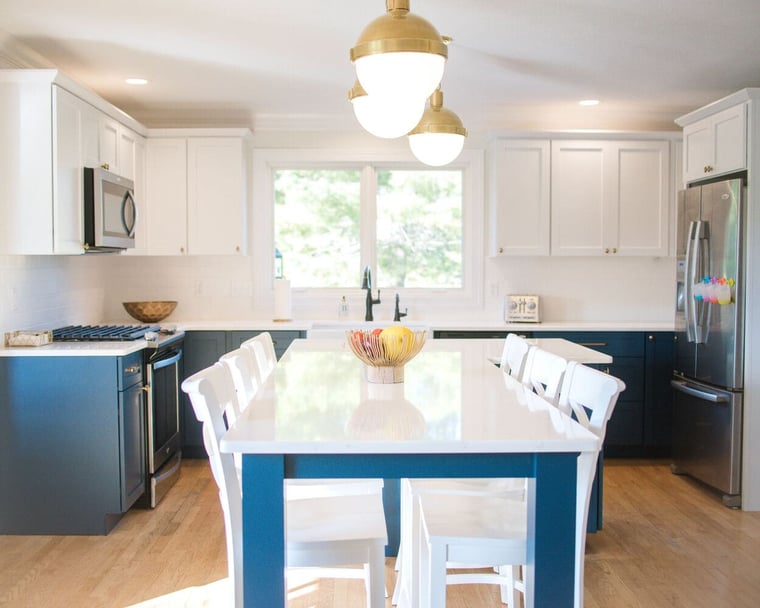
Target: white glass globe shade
x=436 y=149
x=400 y=74
x=387 y=117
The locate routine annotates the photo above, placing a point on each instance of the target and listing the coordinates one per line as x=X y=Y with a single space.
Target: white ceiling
x=512 y=65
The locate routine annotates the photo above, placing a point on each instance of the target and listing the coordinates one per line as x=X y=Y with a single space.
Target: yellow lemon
x=393 y=339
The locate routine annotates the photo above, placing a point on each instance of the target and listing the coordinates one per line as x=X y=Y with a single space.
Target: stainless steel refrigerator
x=709 y=365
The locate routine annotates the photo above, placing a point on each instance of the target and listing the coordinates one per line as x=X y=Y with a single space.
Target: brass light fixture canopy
x=399 y=31
x=438 y=119
x=400 y=55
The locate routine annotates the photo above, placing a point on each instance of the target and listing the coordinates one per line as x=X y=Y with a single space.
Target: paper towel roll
x=282 y=306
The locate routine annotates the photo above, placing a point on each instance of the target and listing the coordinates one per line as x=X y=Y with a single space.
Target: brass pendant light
x=385 y=117
x=439 y=137
x=399 y=54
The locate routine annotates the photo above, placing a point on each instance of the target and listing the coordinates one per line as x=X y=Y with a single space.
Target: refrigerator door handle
x=690 y=274
x=695 y=392
x=702 y=268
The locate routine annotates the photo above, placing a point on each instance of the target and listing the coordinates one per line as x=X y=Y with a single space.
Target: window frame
x=311 y=301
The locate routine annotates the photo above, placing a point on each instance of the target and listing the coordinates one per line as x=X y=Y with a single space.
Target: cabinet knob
x=614 y=250
x=501 y=249
x=182 y=250
x=651 y=338
x=105 y=166
x=708 y=168
x=606 y=250
x=237 y=248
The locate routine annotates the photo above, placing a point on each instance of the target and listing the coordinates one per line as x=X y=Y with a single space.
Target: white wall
x=44 y=292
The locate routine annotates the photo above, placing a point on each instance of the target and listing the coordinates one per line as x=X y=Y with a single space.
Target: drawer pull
x=132 y=369
x=592 y=343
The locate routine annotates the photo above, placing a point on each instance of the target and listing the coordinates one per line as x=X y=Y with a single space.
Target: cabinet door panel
x=216 y=201
x=109 y=143
x=67 y=171
x=166 y=190
x=132 y=437
x=520 y=197
x=578 y=195
x=730 y=140
x=644 y=201
x=697 y=149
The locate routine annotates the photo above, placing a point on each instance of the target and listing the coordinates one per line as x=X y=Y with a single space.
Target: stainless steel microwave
x=110 y=211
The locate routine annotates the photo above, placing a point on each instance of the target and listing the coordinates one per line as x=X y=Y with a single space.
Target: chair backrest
x=244 y=369
x=211 y=392
x=590 y=395
x=263 y=347
x=514 y=355
x=544 y=372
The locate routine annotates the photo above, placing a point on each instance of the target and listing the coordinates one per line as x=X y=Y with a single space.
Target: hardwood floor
x=666 y=542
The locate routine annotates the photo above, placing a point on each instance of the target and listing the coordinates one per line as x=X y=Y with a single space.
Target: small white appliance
x=522 y=309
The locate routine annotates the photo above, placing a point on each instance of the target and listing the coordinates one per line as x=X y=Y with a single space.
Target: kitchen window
x=318 y=226
x=418 y=228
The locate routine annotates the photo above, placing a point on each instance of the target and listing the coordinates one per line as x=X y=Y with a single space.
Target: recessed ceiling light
x=136 y=81
x=588 y=102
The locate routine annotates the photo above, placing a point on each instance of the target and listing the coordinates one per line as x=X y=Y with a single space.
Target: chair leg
x=403 y=564
x=376 y=591
x=509 y=592
x=436 y=576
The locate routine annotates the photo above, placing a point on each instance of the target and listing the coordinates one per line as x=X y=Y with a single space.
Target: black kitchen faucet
x=367 y=284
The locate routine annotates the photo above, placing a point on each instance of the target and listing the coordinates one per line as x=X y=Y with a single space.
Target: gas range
x=102 y=333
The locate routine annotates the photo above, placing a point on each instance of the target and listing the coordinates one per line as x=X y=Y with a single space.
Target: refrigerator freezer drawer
x=707 y=425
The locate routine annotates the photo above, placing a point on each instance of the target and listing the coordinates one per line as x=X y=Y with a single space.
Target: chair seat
x=336 y=519
x=511 y=487
x=486 y=519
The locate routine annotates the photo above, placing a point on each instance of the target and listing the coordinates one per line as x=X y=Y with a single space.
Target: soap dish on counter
x=28 y=338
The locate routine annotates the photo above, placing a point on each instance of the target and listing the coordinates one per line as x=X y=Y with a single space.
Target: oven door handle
x=170 y=359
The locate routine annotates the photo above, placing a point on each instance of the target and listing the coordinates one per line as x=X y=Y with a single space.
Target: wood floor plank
x=667 y=542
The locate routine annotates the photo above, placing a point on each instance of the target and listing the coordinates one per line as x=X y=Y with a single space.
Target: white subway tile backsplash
x=39 y=292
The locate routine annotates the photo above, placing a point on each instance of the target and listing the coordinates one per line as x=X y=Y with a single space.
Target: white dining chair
x=246 y=375
x=244 y=369
x=459 y=531
x=513 y=355
x=544 y=372
x=330 y=534
x=263 y=347
x=512 y=363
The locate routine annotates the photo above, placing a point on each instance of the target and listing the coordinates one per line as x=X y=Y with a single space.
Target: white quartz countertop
x=452 y=400
x=453 y=325
x=75 y=349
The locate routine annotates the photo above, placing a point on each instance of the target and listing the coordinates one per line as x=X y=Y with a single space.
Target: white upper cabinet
x=166 y=195
x=716 y=145
x=51 y=129
x=519 y=194
x=610 y=197
x=117 y=147
x=197 y=194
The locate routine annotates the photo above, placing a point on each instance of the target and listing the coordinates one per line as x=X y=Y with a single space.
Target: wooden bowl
x=150 y=312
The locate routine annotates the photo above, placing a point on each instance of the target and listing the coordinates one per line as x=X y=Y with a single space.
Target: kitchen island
x=453 y=415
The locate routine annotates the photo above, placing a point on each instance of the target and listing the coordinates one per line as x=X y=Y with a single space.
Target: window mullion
x=368 y=219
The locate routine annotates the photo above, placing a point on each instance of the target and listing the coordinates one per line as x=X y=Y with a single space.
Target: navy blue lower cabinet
x=202 y=349
x=72 y=442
